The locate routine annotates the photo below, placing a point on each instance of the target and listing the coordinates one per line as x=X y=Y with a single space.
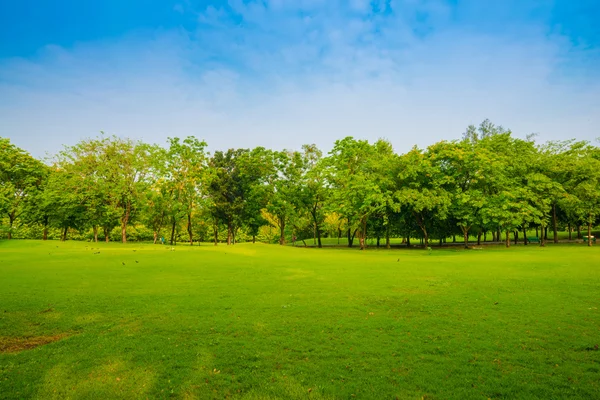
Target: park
x=277 y=199
x=464 y=270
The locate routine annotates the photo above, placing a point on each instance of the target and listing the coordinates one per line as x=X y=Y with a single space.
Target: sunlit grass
x=264 y=321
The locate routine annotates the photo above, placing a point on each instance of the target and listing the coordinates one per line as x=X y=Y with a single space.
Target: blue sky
x=280 y=73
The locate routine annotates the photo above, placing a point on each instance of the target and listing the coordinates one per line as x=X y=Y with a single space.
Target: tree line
x=486 y=184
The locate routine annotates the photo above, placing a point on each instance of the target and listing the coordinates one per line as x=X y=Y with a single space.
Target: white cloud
x=297 y=78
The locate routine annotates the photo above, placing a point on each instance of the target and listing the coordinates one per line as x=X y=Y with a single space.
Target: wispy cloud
x=282 y=73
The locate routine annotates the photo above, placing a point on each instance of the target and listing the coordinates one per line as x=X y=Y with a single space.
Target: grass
x=86 y=320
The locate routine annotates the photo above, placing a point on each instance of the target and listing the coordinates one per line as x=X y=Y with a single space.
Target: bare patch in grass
x=17 y=344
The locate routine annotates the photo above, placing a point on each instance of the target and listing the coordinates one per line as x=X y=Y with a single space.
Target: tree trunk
x=155 y=237
x=545 y=230
x=253 y=239
x=124 y=222
x=95 y=228
x=542 y=237
x=216 y=231
x=189 y=229
x=507 y=238
x=229 y=232
x=45 y=233
x=64 y=234
x=554 y=223
x=421 y=222
x=570 y=231
x=479 y=238
x=106 y=234
x=173 y=224
x=525 y=236
x=537 y=234
x=124 y=233
x=319 y=244
x=363 y=233
x=361 y=240
x=351 y=237
x=516 y=236
x=484 y=236
x=282 y=231
x=408 y=241
x=578 y=231
x=378 y=240
x=317 y=231
x=465 y=236
x=590 y=233
x=11 y=220
x=387 y=237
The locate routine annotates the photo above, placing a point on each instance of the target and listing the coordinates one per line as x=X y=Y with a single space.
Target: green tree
x=20 y=176
x=285 y=197
x=314 y=190
x=423 y=189
x=257 y=170
x=226 y=189
x=586 y=188
x=354 y=170
x=185 y=163
x=113 y=174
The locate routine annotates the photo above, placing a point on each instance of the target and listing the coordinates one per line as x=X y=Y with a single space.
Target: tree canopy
x=488 y=182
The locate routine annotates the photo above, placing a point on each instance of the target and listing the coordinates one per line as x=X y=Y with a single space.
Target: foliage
x=489 y=182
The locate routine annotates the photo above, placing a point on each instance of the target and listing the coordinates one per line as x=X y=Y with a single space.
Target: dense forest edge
x=486 y=186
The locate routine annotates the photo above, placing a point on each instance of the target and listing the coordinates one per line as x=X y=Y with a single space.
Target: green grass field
x=85 y=320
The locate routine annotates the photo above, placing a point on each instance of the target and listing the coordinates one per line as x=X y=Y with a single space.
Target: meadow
x=253 y=321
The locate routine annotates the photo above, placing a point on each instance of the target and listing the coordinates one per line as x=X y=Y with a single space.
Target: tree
x=38 y=208
x=423 y=189
x=586 y=188
x=227 y=191
x=468 y=167
x=184 y=168
x=113 y=173
x=353 y=168
x=20 y=176
x=285 y=198
x=257 y=169
x=314 y=191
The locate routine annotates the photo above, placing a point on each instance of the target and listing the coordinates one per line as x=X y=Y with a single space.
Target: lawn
x=86 y=320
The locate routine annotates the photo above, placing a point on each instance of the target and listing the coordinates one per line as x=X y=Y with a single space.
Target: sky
x=282 y=73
